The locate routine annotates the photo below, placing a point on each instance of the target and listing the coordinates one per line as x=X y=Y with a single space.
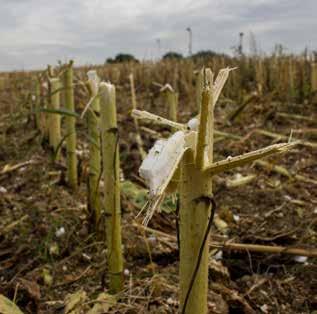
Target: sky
x=34 y=33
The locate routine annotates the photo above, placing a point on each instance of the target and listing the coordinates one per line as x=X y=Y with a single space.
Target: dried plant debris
x=270 y=206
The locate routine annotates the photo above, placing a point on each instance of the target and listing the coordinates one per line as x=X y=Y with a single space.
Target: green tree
x=172 y=55
x=122 y=57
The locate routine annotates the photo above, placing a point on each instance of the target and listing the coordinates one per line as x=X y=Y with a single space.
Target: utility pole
x=190 y=41
x=158 y=42
x=240 y=47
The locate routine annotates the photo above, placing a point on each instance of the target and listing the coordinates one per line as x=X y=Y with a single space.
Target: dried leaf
x=221 y=225
x=47 y=277
x=240 y=180
x=8 y=307
x=73 y=301
x=103 y=304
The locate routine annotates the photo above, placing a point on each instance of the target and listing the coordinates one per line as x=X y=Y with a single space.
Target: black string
x=192 y=280
x=177 y=223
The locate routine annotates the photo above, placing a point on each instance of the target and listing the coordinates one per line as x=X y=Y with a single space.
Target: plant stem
x=93 y=122
x=55 y=119
x=136 y=123
x=110 y=156
x=314 y=81
x=38 y=104
x=172 y=101
x=195 y=210
x=203 y=127
x=70 y=128
x=194 y=213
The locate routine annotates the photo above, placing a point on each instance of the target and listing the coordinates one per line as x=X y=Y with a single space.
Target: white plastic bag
x=94 y=80
x=159 y=165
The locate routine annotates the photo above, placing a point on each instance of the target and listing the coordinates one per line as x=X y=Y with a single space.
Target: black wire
x=192 y=280
x=177 y=223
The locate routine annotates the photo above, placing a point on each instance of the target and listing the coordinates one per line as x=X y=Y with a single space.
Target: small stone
x=264 y=308
x=60 y=232
x=300 y=259
x=170 y=301
x=54 y=249
x=236 y=218
x=218 y=256
x=3 y=190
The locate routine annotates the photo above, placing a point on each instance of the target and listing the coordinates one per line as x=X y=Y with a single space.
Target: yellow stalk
x=70 y=123
x=110 y=157
x=54 y=118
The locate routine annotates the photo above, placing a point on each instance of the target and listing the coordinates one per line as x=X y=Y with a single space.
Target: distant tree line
x=203 y=54
x=122 y=57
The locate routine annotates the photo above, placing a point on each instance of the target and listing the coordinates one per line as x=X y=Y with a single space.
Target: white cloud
x=36 y=32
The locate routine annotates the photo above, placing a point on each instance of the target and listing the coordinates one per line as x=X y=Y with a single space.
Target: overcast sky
x=34 y=33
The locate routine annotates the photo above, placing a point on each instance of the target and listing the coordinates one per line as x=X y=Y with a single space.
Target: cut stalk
x=139 y=114
x=314 y=81
x=70 y=123
x=172 y=101
x=38 y=104
x=45 y=100
x=238 y=161
x=136 y=123
x=195 y=210
x=211 y=104
x=194 y=216
x=228 y=245
x=2 y=83
x=110 y=157
x=196 y=200
x=265 y=249
x=203 y=130
x=55 y=119
x=93 y=122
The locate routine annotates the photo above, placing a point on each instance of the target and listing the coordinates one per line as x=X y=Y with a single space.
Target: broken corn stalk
x=136 y=123
x=93 y=122
x=70 y=122
x=194 y=214
x=194 y=154
x=110 y=158
x=238 y=161
x=55 y=119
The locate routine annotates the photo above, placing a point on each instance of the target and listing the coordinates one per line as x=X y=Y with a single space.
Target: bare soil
x=38 y=268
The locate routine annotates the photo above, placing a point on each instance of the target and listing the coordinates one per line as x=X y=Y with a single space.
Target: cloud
x=37 y=32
